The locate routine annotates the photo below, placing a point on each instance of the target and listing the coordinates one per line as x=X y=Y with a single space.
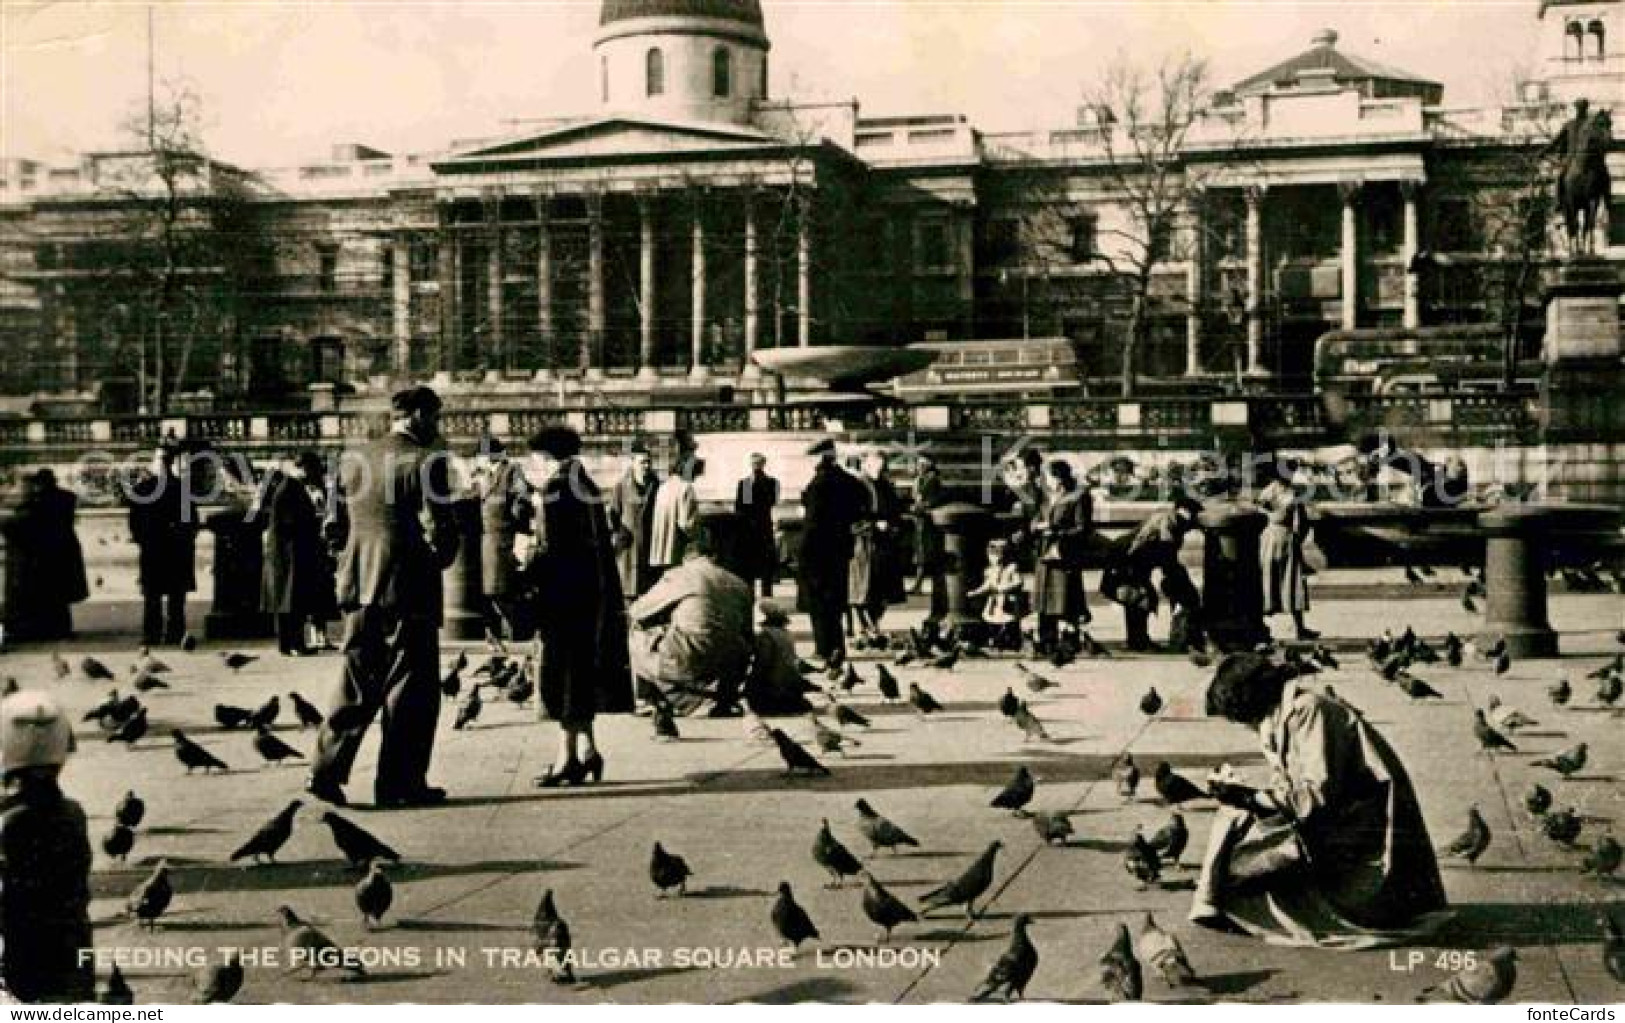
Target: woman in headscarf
x=580 y=614
x=1061 y=529
x=1332 y=851
x=1280 y=548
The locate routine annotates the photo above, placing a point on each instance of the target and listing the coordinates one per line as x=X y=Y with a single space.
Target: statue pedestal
x=1580 y=391
x=1582 y=313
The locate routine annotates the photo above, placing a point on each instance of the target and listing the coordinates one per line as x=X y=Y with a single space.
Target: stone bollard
x=1520 y=542
x=966 y=529
x=462 y=589
x=1232 y=579
x=239 y=559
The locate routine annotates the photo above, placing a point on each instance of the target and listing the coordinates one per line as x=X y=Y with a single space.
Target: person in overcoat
x=1153 y=548
x=754 y=500
x=164 y=527
x=393 y=511
x=1061 y=534
x=579 y=610
x=505 y=514
x=45 y=565
x=292 y=576
x=831 y=503
x=875 y=576
x=676 y=514
x=631 y=512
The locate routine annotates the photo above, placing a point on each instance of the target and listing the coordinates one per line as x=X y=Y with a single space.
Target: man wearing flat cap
x=393 y=515
x=832 y=503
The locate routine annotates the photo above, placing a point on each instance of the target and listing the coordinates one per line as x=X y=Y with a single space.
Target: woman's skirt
x=1058 y=592
x=1286 y=588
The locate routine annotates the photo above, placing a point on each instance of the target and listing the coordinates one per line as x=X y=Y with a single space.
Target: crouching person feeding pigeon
x=44 y=859
x=691 y=633
x=1333 y=851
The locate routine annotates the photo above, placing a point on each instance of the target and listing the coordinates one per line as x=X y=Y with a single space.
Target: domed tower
x=690 y=60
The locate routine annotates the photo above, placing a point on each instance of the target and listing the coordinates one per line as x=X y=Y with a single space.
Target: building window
x=654 y=72
x=1082 y=241
x=933 y=245
x=1574 y=41
x=722 y=72
x=425 y=256
x=603 y=79
x=1594 y=34
x=327 y=267
x=1616 y=223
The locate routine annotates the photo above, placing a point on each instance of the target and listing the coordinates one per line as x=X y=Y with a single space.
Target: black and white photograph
x=654 y=502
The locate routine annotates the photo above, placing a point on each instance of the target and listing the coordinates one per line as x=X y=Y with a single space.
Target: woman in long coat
x=293 y=577
x=579 y=611
x=505 y=512
x=1280 y=549
x=631 y=518
x=875 y=575
x=1061 y=531
x=45 y=566
x=1332 y=851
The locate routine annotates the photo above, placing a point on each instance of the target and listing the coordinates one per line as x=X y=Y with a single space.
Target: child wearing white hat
x=44 y=859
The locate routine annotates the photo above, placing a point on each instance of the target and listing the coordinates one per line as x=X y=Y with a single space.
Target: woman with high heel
x=579 y=611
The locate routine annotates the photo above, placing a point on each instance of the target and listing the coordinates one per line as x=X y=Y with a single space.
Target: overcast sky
x=281 y=82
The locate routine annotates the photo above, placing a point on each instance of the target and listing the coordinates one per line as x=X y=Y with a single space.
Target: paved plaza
x=473 y=871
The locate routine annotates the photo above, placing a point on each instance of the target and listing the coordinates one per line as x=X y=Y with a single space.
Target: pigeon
x=451 y=684
x=219 y=982
x=232 y=718
x=1009 y=703
x=1141 y=861
x=1471 y=843
x=1027 y=721
x=188 y=643
x=1565 y=762
x=922 y=701
x=850 y=679
x=1120 y=971
x=1170 y=840
x=1151 y=702
x=881 y=832
x=828 y=739
x=1322 y=655
x=1173 y=787
x=102 y=712
x=237 y=661
x=1613 y=667
x=1537 y=800
x=520 y=688
x=274 y=750
x=130 y=811
x=1486 y=982
x=887 y=682
x=1603 y=859
x=947 y=660
x=1415 y=688
x=1559 y=692
x=1613 y=949
x=1014 y=968
x=374 y=895
x=664 y=722
x=469 y=712
x=60 y=665
x=1503 y=662
x=1412 y=576
x=193 y=756
x=266 y=714
x=884 y=909
x=305 y=711
x=1562 y=826
x=145 y=682
x=1199 y=657
x=967 y=887
x=837 y=859
x=668 y=871
x=131 y=731
x=1017 y=793
x=117 y=991
x=266 y=842
x=147 y=662
x=791 y=921
x=1507 y=717
x=358 y=845
x=1489 y=740
x=1126 y=774
x=1610 y=689
x=1467 y=603
x=845 y=715
x=151 y=897
x=1052 y=828
x=795 y=757
x=1035 y=682
x=95 y=670
x=1162 y=952
x=553 y=939
x=309 y=948
x=118 y=842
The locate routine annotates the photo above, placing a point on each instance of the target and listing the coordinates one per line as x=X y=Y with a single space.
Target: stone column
x=592 y=352
x=965 y=530
x=544 y=287
x=696 y=362
x=1349 y=254
x=464 y=597
x=966 y=270
x=401 y=302
x=804 y=279
x=1410 y=245
x=753 y=311
x=1194 y=297
x=646 y=288
x=448 y=291
x=1232 y=579
x=1254 y=198
x=496 y=336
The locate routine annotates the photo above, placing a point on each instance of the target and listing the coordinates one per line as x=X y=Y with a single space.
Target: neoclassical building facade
x=693 y=219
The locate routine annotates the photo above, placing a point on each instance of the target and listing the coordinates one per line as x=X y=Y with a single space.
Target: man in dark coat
x=929 y=561
x=292 y=577
x=831 y=505
x=394 y=510
x=45 y=572
x=754 y=501
x=505 y=512
x=631 y=511
x=1154 y=548
x=164 y=528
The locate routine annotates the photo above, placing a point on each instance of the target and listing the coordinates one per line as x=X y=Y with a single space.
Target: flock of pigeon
x=831 y=727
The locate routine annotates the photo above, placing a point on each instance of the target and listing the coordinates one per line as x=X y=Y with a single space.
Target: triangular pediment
x=613 y=136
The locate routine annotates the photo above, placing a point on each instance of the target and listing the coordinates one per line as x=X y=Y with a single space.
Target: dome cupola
x=691 y=60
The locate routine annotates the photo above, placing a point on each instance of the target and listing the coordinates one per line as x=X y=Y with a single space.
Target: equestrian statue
x=1583 y=185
